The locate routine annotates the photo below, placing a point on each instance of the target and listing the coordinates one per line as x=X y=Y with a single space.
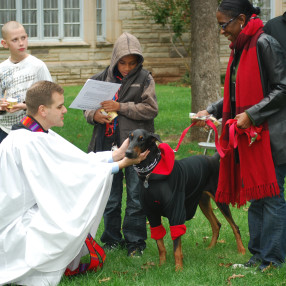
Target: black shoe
x=108 y=246
x=252 y=262
x=135 y=252
x=264 y=267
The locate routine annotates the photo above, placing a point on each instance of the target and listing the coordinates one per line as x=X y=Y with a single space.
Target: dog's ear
x=156 y=137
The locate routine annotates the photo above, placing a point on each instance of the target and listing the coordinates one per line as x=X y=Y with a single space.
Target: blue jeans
x=267 y=225
x=3 y=135
x=134 y=224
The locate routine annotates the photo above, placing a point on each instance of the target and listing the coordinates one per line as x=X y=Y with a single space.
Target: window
x=100 y=20
x=267 y=9
x=48 y=20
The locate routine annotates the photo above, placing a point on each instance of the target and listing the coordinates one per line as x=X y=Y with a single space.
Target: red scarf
x=254 y=176
x=166 y=163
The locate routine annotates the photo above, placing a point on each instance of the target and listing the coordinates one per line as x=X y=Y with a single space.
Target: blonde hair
x=11 y=25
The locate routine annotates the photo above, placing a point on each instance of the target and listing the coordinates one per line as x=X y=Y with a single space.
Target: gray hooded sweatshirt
x=138 y=102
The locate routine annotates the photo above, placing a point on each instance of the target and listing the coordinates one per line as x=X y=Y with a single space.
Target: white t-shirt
x=16 y=79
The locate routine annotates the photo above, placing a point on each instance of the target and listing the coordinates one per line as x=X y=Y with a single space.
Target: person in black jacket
x=276 y=27
x=254 y=104
x=136 y=106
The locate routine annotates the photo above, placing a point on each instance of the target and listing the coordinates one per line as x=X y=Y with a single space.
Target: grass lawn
x=201 y=266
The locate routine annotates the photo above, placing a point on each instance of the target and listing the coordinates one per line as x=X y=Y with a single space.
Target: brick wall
x=74 y=63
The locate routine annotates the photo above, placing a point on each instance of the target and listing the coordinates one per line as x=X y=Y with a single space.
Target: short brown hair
x=40 y=93
x=11 y=25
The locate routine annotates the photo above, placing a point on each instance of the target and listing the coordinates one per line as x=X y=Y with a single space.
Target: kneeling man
x=52 y=195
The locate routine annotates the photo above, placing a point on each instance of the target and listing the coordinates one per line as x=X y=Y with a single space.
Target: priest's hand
x=125 y=162
x=120 y=152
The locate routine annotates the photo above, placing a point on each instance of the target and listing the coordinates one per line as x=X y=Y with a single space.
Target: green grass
x=201 y=266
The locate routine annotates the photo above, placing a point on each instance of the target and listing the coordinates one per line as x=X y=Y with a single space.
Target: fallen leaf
x=104 y=279
x=205 y=238
x=245 y=209
x=148 y=265
x=134 y=276
x=221 y=241
x=233 y=277
x=79 y=135
x=225 y=265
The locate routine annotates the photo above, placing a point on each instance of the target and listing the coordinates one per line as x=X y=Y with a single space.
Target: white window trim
x=40 y=28
x=102 y=38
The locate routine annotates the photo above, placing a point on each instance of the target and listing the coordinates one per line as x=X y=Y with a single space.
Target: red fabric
x=177 y=230
x=254 y=176
x=97 y=258
x=158 y=232
x=183 y=135
x=166 y=164
x=210 y=124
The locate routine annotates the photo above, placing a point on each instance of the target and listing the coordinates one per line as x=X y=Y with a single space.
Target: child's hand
x=110 y=105
x=100 y=117
x=3 y=104
x=17 y=107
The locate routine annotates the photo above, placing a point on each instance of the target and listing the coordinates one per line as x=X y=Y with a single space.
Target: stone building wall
x=74 y=63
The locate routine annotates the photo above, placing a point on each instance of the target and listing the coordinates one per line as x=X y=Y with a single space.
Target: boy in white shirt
x=17 y=74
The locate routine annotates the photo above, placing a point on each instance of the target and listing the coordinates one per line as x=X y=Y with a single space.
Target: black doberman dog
x=174 y=188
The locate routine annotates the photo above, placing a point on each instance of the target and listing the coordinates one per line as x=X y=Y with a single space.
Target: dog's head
x=139 y=141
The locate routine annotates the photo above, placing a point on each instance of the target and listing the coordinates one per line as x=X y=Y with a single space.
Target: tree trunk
x=205 y=64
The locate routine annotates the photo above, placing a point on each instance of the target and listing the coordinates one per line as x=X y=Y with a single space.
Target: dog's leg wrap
x=158 y=232
x=177 y=230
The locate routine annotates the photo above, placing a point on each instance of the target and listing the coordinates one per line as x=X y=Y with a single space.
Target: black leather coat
x=272 y=65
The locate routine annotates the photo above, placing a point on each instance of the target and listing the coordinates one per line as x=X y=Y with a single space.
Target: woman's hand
x=200 y=123
x=243 y=121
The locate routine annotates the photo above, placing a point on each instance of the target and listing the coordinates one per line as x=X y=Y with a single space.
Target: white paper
x=93 y=93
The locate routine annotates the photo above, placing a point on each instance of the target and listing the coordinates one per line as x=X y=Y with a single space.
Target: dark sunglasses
x=223 y=26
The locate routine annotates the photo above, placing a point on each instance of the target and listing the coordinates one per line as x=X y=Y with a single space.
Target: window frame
x=101 y=38
x=40 y=23
x=272 y=8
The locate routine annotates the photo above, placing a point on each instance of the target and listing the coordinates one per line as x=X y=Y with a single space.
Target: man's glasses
x=223 y=26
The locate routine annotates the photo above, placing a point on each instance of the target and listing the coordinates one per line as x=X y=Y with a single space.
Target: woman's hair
x=41 y=93
x=233 y=8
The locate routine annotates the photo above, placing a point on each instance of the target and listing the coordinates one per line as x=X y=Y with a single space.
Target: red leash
x=253 y=134
x=210 y=124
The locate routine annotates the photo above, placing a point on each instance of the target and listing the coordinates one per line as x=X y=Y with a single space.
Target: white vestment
x=52 y=195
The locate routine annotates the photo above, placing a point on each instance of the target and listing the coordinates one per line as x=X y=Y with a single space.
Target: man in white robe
x=51 y=193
